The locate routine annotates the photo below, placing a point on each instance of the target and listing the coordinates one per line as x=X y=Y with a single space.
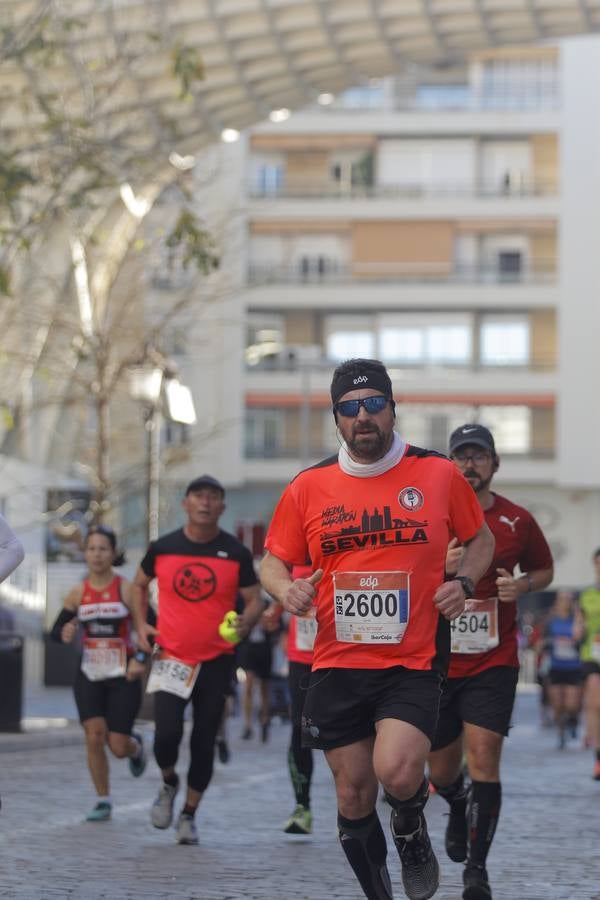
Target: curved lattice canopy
x=155 y=73
x=100 y=101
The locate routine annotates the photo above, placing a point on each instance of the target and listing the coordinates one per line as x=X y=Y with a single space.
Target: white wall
x=502 y=158
x=579 y=313
x=434 y=165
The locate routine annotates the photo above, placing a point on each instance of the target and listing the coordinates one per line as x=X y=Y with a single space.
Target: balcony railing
x=333 y=190
x=541 y=97
x=291 y=360
x=330 y=273
x=320 y=452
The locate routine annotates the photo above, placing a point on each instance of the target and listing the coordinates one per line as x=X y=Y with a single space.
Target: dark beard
x=481 y=484
x=372 y=447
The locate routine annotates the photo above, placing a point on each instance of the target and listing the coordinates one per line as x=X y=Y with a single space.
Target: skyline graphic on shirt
x=375 y=522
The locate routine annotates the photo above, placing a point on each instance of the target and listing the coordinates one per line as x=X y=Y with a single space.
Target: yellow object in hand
x=227 y=628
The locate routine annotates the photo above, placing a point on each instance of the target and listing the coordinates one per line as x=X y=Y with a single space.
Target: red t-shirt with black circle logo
x=381 y=542
x=197 y=584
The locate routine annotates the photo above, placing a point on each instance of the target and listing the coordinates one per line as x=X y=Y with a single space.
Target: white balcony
x=513 y=470
x=500 y=384
x=394 y=294
x=418 y=123
x=437 y=206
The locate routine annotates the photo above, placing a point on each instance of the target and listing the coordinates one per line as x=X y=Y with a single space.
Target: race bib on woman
x=371 y=607
x=171 y=675
x=475 y=630
x=104 y=658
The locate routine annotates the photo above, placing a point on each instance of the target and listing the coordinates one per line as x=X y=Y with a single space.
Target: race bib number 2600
x=371 y=607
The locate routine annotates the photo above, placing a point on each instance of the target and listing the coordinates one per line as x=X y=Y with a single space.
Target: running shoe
x=300 y=821
x=100 y=813
x=222 y=750
x=264 y=732
x=456 y=833
x=246 y=734
x=596 y=775
x=137 y=765
x=186 y=832
x=420 y=869
x=161 y=814
x=477 y=886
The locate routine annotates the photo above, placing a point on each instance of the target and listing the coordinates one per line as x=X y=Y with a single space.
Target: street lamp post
x=163 y=395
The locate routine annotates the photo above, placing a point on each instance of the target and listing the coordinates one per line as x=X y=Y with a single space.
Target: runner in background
x=300 y=642
x=108 y=692
x=563 y=635
x=255 y=657
x=200 y=569
x=589 y=601
x=479 y=693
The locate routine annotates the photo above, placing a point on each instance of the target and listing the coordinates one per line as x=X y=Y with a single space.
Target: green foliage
x=195 y=243
x=4 y=281
x=187 y=66
x=13 y=178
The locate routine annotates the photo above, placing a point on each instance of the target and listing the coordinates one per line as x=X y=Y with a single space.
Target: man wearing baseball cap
x=375 y=521
x=478 y=696
x=200 y=570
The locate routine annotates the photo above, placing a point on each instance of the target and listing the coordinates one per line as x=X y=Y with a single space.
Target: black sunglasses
x=350 y=408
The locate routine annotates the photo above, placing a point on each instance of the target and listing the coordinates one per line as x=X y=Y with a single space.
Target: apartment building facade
x=441 y=222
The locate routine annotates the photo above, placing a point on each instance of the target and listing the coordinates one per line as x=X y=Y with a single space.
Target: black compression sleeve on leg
x=455 y=794
x=485 y=799
x=363 y=842
x=406 y=815
x=300 y=764
x=64 y=616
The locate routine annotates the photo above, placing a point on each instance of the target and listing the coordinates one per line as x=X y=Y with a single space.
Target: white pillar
x=578 y=420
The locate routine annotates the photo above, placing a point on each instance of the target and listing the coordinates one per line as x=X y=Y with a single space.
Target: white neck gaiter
x=369 y=470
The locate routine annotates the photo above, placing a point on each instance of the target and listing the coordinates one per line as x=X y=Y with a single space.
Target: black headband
x=361 y=378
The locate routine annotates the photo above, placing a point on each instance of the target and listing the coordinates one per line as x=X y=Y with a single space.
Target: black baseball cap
x=204 y=481
x=472 y=434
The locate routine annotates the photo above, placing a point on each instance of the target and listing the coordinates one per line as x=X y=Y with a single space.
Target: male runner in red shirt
x=200 y=569
x=478 y=697
x=375 y=520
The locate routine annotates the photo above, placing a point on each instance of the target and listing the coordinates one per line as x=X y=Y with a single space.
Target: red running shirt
x=519 y=541
x=197 y=585
x=359 y=529
x=103 y=614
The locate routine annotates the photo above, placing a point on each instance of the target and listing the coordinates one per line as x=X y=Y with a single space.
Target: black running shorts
x=256 y=657
x=572 y=677
x=590 y=667
x=341 y=706
x=114 y=699
x=298 y=682
x=485 y=699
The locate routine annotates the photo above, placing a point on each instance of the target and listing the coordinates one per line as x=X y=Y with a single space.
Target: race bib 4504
x=371 y=607
x=475 y=630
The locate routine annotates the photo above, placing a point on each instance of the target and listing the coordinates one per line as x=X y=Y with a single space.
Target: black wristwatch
x=140 y=656
x=467 y=585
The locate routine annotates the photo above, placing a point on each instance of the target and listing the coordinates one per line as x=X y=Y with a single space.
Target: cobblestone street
x=546 y=847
